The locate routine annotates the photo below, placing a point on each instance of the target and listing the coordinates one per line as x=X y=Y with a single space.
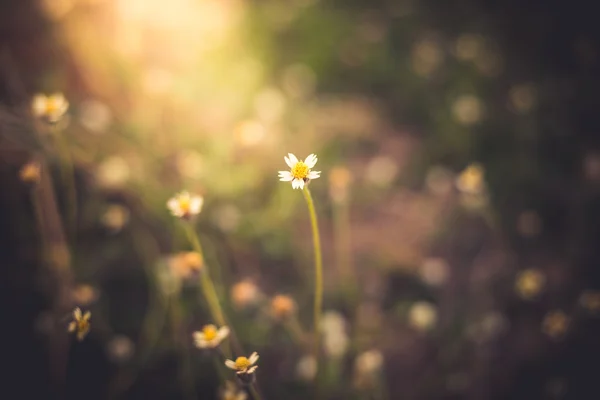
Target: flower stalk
x=318 y=302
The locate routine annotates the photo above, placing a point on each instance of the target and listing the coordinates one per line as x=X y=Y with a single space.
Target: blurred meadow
x=457 y=206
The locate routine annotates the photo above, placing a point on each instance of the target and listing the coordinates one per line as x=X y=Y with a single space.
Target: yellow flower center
x=300 y=170
x=52 y=106
x=184 y=204
x=210 y=332
x=82 y=325
x=242 y=363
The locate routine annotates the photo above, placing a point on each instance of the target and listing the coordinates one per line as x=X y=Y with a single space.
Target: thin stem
x=254 y=392
x=67 y=171
x=318 y=271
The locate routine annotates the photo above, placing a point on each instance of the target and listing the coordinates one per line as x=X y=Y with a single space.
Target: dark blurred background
x=459 y=204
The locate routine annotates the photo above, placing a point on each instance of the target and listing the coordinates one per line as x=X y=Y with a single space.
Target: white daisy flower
x=80 y=324
x=210 y=337
x=243 y=365
x=300 y=171
x=51 y=107
x=184 y=205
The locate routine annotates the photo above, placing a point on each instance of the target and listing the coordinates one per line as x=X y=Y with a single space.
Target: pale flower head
x=84 y=294
x=369 y=362
x=282 y=306
x=210 y=337
x=80 y=324
x=555 y=324
x=243 y=365
x=30 y=172
x=529 y=283
x=245 y=294
x=422 y=316
x=120 y=349
x=590 y=300
x=306 y=368
x=471 y=180
x=185 y=205
x=51 y=108
x=185 y=264
x=232 y=392
x=300 y=171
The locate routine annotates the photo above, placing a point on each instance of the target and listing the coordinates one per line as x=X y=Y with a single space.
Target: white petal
x=301 y=183
x=198 y=336
x=285 y=176
x=253 y=358
x=222 y=333
x=314 y=174
x=230 y=364
x=196 y=204
x=202 y=344
x=293 y=160
x=86 y=316
x=77 y=313
x=252 y=369
x=311 y=160
x=296 y=183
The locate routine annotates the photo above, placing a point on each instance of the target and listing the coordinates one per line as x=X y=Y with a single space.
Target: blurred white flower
x=210 y=337
x=30 y=172
x=306 y=368
x=120 y=349
x=95 y=116
x=227 y=217
x=245 y=294
x=115 y=217
x=426 y=57
x=232 y=392
x=250 y=133
x=51 y=108
x=185 y=206
x=529 y=283
x=189 y=163
x=113 y=172
x=369 y=362
x=468 y=46
x=381 y=170
x=300 y=173
x=467 y=110
x=471 y=180
x=422 y=316
x=335 y=338
x=80 y=324
x=434 y=271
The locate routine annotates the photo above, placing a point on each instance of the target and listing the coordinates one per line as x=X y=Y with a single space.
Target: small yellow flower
x=555 y=324
x=243 y=365
x=282 y=306
x=300 y=171
x=185 y=264
x=590 y=300
x=80 y=323
x=232 y=392
x=529 y=283
x=30 y=172
x=471 y=181
x=210 y=337
x=185 y=205
x=52 y=108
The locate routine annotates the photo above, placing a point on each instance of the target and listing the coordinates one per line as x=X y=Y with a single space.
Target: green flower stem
x=318 y=271
x=208 y=288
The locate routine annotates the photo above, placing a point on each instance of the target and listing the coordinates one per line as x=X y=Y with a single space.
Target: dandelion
x=282 y=306
x=210 y=337
x=300 y=171
x=232 y=392
x=529 y=283
x=30 y=172
x=184 y=205
x=51 y=108
x=80 y=324
x=243 y=365
x=555 y=324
